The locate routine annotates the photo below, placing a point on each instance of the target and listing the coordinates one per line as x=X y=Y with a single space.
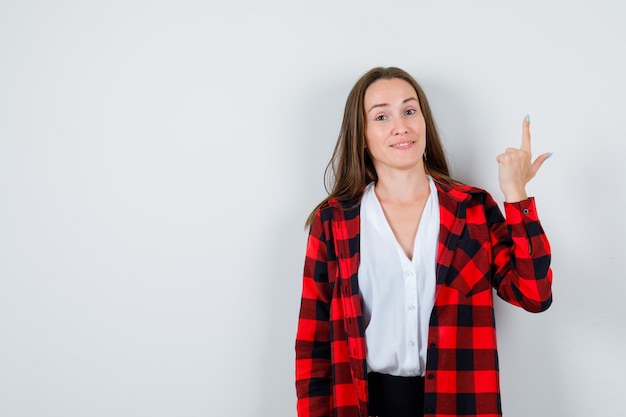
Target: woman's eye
x=381 y=117
x=411 y=112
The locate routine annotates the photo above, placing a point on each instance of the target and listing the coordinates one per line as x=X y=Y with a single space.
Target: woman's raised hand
x=515 y=168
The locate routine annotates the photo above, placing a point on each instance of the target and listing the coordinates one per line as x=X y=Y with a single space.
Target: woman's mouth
x=403 y=145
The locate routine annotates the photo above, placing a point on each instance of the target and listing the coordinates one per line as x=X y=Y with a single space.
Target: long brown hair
x=351 y=168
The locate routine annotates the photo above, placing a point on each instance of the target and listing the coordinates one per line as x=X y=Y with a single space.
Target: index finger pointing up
x=526 y=134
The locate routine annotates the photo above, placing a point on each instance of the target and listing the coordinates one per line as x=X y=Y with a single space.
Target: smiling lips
x=402 y=145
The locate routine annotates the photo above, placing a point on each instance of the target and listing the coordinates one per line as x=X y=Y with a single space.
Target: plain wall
x=158 y=160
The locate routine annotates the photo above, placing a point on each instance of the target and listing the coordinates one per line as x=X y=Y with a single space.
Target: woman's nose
x=400 y=130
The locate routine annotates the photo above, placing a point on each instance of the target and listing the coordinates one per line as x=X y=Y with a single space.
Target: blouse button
x=525 y=211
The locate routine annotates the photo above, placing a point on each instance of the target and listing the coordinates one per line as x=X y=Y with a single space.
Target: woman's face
x=395 y=130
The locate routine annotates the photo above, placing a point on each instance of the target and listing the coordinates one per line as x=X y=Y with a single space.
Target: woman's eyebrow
x=387 y=104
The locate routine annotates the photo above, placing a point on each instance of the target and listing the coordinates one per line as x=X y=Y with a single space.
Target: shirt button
x=409 y=273
x=411 y=308
x=526 y=211
x=411 y=343
x=432 y=345
x=431 y=376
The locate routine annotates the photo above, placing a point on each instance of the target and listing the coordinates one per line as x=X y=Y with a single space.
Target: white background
x=158 y=160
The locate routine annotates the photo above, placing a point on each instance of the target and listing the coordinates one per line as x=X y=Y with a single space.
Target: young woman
x=397 y=310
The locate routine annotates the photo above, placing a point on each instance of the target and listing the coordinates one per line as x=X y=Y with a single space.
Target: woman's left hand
x=515 y=168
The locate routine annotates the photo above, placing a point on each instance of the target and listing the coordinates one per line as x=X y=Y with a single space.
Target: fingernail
x=528 y=117
x=549 y=155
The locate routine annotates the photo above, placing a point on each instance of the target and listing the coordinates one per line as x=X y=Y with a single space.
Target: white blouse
x=398 y=294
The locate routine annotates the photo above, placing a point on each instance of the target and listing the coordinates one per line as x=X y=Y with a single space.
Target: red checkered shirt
x=478 y=250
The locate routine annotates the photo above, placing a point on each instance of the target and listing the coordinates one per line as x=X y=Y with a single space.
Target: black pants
x=395 y=396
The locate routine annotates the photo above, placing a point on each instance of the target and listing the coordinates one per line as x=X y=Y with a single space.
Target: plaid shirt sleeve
x=521 y=255
x=313 y=356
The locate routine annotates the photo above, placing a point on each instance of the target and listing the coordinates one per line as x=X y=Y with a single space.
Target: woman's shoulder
x=334 y=209
x=459 y=192
x=454 y=186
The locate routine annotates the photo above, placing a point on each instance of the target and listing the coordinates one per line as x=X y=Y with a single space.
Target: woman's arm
x=313 y=360
x=520 y=255
x=521 y=252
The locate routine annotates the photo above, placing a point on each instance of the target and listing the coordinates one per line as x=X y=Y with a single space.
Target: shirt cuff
x=521 y=212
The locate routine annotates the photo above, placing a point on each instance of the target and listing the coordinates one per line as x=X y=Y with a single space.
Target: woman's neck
x=403 y=187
